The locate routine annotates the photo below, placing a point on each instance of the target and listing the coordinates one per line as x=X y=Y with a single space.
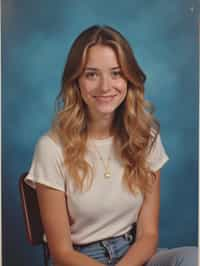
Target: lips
x=107 y=98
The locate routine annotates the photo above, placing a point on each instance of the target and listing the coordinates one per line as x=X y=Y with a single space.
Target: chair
x=33 y=224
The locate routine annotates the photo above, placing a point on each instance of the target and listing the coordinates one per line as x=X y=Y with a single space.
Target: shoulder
x=156 y=153
x=48 y=144
x=154 y=132
x=47 y=164
x=53 y=136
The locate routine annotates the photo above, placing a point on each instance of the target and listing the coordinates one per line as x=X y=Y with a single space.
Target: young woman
x=97 y=171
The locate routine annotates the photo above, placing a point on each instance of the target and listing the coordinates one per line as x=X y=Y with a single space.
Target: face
x=102 y=86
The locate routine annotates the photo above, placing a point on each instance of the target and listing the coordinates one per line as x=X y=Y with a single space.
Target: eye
x=116 y=73
x=91 y=75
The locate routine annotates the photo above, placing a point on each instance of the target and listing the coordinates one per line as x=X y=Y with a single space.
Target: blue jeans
x=111 y=250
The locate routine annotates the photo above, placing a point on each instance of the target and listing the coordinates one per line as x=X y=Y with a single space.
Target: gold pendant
x=107 y=174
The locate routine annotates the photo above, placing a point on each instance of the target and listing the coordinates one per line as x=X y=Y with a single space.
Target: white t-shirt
x=107 y=209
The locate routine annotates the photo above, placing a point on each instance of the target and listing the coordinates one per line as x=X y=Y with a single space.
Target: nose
x=104 y=85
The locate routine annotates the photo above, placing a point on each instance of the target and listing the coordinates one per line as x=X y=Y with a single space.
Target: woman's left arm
x=147 y=229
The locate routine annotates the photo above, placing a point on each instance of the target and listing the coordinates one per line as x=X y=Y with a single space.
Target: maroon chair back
x=32 y=219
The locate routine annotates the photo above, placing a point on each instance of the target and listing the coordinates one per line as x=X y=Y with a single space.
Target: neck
x=100 y=127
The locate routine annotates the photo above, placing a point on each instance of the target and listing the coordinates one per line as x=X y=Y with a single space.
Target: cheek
x=122 y=87
x=86 y=92
x=87 y=88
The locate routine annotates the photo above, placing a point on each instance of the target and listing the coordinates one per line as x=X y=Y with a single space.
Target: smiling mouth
x=104 y=98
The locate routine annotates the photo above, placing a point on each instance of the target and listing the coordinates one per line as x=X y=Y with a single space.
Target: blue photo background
x=36 y=36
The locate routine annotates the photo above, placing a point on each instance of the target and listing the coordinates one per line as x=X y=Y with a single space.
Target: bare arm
x=147 y=229
x=55 y=220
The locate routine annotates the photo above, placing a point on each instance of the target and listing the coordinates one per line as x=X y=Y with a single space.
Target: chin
x=107 y=110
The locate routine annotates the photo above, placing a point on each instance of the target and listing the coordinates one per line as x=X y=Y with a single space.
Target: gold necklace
x=106 y=165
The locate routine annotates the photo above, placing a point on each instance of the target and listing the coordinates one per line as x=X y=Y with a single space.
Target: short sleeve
x=46 y=167
x=157 y=156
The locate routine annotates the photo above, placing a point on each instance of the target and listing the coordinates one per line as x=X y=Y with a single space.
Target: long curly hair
x=135 y=128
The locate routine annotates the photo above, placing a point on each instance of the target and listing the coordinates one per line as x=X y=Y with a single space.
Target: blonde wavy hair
x=134 y=126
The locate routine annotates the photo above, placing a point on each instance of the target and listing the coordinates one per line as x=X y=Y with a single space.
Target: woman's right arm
x=52 y=204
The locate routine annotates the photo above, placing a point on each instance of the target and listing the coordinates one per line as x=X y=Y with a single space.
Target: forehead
x=101 y=56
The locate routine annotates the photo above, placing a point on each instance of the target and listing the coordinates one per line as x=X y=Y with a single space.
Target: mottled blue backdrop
x=36 y=38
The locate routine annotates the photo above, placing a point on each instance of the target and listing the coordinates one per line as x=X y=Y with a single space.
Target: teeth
x=104 y=97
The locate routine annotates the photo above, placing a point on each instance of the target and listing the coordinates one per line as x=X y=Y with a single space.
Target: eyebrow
x=96 y=69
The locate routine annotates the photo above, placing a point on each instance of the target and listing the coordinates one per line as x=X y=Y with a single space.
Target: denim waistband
x=109 y=250
x=130 y=235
